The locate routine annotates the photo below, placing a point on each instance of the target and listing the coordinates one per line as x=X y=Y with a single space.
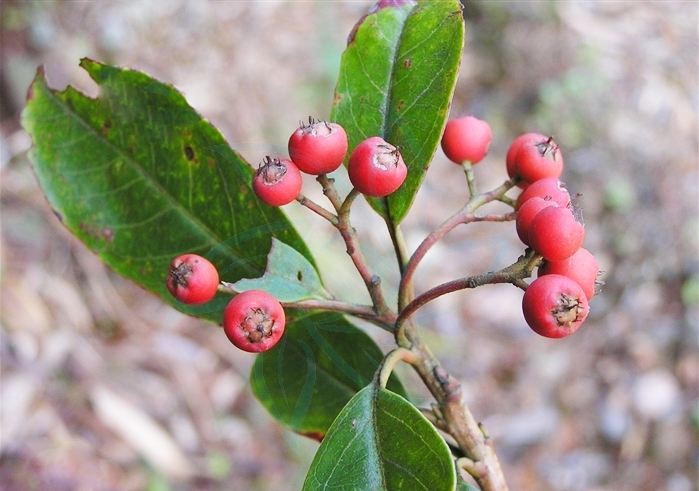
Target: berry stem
x=399 y=245
x=316 y=208
x=349 y=235
x=507 y=200
x=470 y=178
x=389 y=363
x=465 y=215
x=329 y=191
x=365 y=312
x=514 y=274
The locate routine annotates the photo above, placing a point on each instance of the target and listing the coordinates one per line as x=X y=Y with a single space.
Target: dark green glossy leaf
x=319 y=365
x=396 y=81
x=381 y=442
x=140 y=177
x=289 y=276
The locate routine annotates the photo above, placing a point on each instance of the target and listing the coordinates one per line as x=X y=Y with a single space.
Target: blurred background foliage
x=105 y=387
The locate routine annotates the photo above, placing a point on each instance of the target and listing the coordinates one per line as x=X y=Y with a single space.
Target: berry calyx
x=556 y=233
x=466 y=138
x=277 y=182
x=537 y=159
x=319 y=147
x=376 y=168
x=554 y=306
x=581 y=267
x=254 y=321
x=192 y=279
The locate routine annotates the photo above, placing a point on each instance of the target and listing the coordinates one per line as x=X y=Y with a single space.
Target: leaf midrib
x=136 y=167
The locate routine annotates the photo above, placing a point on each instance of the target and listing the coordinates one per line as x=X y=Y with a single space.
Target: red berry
x=192 y=279
x=581 y=267
x=537 y=159
x=514 y=148
x=554 y=306
x=277 y=182
x=466 y=138
x=526 y=214
x=254 y=321
x=556 y=233
x=550 y=187
x=319 y=147
x=376 y=167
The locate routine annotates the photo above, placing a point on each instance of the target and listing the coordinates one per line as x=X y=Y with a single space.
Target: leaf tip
x=40 y=77
x=380 y=5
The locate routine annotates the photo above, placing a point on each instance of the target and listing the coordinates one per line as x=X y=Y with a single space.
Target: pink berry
x=537 y=159
x=551 y=188
x=514 y=148
x=192 y=279
x=319 y=147
x=556 y=233
x=526 y=214
x=554 y=306
x=466 y=138
x=254 y=321
x=376 y=168
x=277 y=182
x=581 y=267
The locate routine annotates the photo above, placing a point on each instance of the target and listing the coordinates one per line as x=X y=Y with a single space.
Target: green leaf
x=140 y=177
x=462 y=485
x=381 y=442
x=397 y=78
x=289 y=276
x=318 y=366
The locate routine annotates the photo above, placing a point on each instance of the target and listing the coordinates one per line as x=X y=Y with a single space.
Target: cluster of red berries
x=375 y=167
x=556 y=303
x=253 y=320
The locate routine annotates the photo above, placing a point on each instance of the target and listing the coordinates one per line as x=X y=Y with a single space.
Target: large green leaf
x=397 y=78
x=140 y=177
x=381 y=442
x=319 y=365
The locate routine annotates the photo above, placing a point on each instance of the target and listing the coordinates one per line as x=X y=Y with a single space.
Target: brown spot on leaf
x=400 y=105
x=106 y=126
x=104 y=233
x=107 y=234
x=407 y=63
x=189 y=153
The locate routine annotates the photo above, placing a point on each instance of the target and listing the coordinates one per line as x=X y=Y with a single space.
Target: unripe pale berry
x=376 y=168
x=319 y=147
x=277 y=182
x=556 y=233
x=254 y=321
x=581 y=267
x=192 y=279
x=466 y=138
x=554 y=306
